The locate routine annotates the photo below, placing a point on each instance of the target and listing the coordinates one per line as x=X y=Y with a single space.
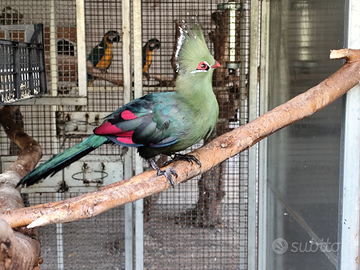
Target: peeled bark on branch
x=18 y=249
x=220 y=149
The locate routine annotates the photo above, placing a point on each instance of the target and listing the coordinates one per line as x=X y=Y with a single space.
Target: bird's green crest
x=191 y=48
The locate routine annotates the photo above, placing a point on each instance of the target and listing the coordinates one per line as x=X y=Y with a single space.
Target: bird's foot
x=147 y=75
x=167 y=173
x=188 y=158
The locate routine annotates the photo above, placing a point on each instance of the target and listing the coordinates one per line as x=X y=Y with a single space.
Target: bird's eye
x=203 y=66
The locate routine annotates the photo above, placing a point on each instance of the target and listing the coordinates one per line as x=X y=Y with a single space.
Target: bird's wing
x=142 y=122
x=97 y=54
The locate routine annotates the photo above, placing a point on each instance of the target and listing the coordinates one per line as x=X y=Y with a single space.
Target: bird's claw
x=168 y=175
x=170 y=171
x=147 y=75
x=188 y=158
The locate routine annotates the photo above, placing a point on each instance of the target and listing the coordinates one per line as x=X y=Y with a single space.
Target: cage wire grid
x=177 y=230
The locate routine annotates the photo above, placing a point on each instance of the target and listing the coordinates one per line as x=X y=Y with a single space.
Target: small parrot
x=102 y=55
x=158 y=123
x=147 y=50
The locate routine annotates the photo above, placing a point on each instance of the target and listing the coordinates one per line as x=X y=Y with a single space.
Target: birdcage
x=75 y=105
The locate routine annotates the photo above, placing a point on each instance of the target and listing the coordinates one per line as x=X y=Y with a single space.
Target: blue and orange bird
x=101 y=56
x=147 y=51
x=158 y=123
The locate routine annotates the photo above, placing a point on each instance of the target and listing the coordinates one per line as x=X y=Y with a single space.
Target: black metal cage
x=22 y=68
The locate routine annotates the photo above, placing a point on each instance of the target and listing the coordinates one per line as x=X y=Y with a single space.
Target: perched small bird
x=158 y=123
x=101 y=55
x=147 y=50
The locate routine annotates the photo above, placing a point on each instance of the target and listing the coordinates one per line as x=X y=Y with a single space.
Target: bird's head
x=192 y=53
x=153 y=44
x=112 y=36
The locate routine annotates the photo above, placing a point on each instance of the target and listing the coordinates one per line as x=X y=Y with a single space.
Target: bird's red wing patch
x=106 y=129
x=125 y=134
x=114 y=132
x=127 y=140
x=128 y=115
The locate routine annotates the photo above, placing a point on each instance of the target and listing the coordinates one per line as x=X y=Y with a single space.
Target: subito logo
x=280 y=246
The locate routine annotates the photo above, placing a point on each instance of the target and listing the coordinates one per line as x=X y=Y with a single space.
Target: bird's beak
x=217 y=64
x=114 y=37
x=155 y=46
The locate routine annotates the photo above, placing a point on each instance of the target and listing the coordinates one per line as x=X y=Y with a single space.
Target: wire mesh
x=201 y=224
x=97 y=243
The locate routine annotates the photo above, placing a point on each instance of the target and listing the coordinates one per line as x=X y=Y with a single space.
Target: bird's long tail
x=60 y=161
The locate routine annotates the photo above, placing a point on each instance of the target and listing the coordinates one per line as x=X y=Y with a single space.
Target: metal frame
x=264 y=92
x=138 y=92
x=132 y=218
x=253 y=151
x=349 y=205
x=81 y=47
x=128 y=168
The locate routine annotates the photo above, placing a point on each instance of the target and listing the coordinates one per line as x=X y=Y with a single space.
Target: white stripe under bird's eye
x=202 y=67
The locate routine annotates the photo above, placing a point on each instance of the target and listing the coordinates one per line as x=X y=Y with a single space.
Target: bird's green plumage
x=63 y=159
x=194 y=110
x=158 y=123
x=196 y=88
x=189 y=57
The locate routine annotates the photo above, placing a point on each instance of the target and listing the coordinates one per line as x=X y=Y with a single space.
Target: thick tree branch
x=18 y=249
x=218 y=150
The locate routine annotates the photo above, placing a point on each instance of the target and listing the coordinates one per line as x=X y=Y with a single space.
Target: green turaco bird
x=158 y=123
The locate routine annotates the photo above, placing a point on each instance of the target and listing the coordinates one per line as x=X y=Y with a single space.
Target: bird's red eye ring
x=203 y=66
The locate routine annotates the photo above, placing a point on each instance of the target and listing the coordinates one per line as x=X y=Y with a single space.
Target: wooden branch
x=220 y=149
x=110 y=77
x=19 y=249
x=350 y=55
x=118 y=78
x=65 y=61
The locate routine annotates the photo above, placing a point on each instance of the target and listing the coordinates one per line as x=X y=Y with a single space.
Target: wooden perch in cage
x=20 y=249
x=118 y=78
x=220 y=149
x=66 y=61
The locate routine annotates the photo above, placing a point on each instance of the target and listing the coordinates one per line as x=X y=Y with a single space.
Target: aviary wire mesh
x=201 y=224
